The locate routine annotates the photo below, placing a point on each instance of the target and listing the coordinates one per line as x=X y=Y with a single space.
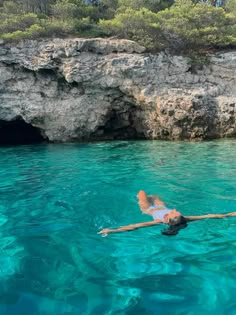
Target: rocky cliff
x=79 y=89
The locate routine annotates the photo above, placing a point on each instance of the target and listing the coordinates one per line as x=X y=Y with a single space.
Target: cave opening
x=120 y=125
x=18 y=132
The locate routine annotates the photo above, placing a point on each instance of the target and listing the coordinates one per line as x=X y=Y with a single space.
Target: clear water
x=54 y=199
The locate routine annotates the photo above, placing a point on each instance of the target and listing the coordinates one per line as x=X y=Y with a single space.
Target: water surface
x=54 y=199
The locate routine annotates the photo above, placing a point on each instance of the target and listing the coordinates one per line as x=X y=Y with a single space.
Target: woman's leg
x=146 y=201
x=143 y=201
x=156 y=201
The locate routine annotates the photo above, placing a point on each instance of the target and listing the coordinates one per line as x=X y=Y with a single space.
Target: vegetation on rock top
x=180 y=26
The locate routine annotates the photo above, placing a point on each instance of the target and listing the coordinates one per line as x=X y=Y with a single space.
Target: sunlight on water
x=54 y=199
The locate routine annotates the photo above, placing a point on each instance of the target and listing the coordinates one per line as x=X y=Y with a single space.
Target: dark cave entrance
x=120 y=125
x=18 y=132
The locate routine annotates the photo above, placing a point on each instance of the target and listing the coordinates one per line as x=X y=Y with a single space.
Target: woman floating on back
x=155 y=207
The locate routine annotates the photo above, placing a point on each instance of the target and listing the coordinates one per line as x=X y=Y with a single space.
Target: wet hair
x=174 y=228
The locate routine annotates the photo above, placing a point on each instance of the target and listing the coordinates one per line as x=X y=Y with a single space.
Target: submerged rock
x=79 y=89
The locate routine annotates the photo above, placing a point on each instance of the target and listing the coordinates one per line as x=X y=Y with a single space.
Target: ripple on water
x=54 y=199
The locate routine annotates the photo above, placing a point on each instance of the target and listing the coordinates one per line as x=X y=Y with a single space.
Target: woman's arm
x=210 y=216
x=130 y=227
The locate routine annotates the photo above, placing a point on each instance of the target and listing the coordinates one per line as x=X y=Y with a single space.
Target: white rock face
x=103 y=89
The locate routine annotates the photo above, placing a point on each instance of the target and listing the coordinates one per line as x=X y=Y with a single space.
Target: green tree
x=230 y=6
x=64 y=9
x=10 y=7
x=107 y=8
x=139 y=25
x=152 y=5
x=156 y=24
x=189 y=26
x=11 y=23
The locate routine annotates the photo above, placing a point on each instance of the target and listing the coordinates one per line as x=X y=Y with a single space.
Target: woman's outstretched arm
x=210 y=216
x=130 y=227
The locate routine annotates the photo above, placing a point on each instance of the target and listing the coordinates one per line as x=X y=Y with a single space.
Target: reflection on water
x=54 y=199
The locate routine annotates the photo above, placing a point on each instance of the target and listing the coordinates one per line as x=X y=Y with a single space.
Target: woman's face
x=174 y=217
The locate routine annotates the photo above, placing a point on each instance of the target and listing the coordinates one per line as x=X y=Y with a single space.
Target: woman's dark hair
x=174 y=229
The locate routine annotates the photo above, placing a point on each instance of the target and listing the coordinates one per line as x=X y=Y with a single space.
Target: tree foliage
x=139 y=25
x=153 y=5
x=183 y=25
x=186 y=25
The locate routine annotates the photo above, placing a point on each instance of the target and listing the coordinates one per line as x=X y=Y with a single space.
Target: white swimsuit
x=159 y=214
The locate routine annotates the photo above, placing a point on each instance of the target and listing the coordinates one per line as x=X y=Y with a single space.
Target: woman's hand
x=211 y=216
x=128 y=228
x=231 y=214
x=105 y=232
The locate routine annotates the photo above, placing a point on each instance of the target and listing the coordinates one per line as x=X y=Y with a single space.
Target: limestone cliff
x=77 y=89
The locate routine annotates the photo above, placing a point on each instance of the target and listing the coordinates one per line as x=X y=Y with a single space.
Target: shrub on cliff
x=138 y=25
x=13 y=22
x=230 y=7
x=189 y=26
x=64 y=10
x=34 y=31
x=152 y=5
x=185 y=26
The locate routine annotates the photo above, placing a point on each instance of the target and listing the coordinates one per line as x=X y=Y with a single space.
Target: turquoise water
x=54 y=199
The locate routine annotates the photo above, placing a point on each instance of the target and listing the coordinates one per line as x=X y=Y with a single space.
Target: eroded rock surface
x=77 y=89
